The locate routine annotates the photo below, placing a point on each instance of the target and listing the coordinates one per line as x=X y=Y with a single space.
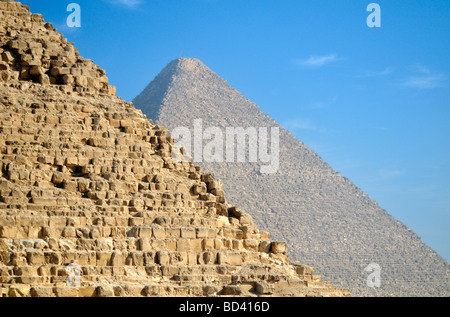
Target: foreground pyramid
x=91 y=202
x=327 y=221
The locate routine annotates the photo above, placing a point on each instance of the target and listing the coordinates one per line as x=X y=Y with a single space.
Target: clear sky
x=373 y=102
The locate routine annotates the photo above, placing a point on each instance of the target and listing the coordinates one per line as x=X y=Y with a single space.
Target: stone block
x=36 y=258
x=223 y=221
x=232 y=290
x=68 y=79
x=61 y=291
x=144 y=244
x=37 y=71
x=183 y=245
x=251 y=244
x=264 y=288
x=44 y=79
x=278 y=247
x=117 y=259
x=163 y=258
x=264 y=246
x=188 y=233
x=126 y=123
x=105 y=291
x=229 y=258
x=88 y=291
x=19 y=290
x=42 y=291
x=159 y=232
x=7 y=56
x=303 y=270
x=145 y=232
x=208 y=244
x=103 y=258
x=202 y=232
x=8 y=232
x=238 y=244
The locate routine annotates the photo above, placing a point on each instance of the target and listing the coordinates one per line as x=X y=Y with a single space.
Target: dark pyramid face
x=326 y=220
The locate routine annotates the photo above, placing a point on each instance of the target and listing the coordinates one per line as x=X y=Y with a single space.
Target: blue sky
x=373 y=102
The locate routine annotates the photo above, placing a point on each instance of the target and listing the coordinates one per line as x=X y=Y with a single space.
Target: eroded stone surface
x=88 y=190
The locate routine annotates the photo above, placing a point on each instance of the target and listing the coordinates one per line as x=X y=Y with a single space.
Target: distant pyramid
x=91 y=202
x=326 y=220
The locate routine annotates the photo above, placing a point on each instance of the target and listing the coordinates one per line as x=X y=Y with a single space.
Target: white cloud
x=386 y=71
x=320 y=104
x=125 y=3
x=424 y=82
x=299 y=124
x=423 y=78
x=421 y=69
x=302 y=124
x=385 y=174
x=317 y=61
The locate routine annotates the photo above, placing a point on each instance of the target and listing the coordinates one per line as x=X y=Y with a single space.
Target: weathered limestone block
x=117 y=259
x=36 y=258
x=88 y=291
x=163 y=258
x=237 y=245
x=229 y=258
x=144 y=244
x=232 y=290
x=4 y=76
x=59 y=71
x=44 y=79
x=251 y=244
x=184 y=245
x=159 y=232
x=68 y=79
x=18 y=44
x=7 y=56
x=103 y=258
x=19 y=290
x=208 y=244
x=42 y=291
x=37 y=71
x=188 y=233
x=4 y=66
x=303 y=270
x=264 y=246
x=105 y=291
x=8 y=232
x=264 y=288
x=36 y=17
x=278 y=247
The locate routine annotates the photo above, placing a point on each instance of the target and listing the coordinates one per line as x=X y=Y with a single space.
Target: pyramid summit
x=91 y=201
x=327 y=221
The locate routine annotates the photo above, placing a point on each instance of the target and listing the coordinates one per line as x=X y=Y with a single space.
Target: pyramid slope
x=326 y=220
x=91 y=202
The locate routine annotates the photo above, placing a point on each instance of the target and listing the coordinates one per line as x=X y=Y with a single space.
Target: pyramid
x=326 y=220
x=91 y=201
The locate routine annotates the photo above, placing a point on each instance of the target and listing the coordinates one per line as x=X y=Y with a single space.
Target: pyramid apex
x=189 y=63
x=188 y=60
